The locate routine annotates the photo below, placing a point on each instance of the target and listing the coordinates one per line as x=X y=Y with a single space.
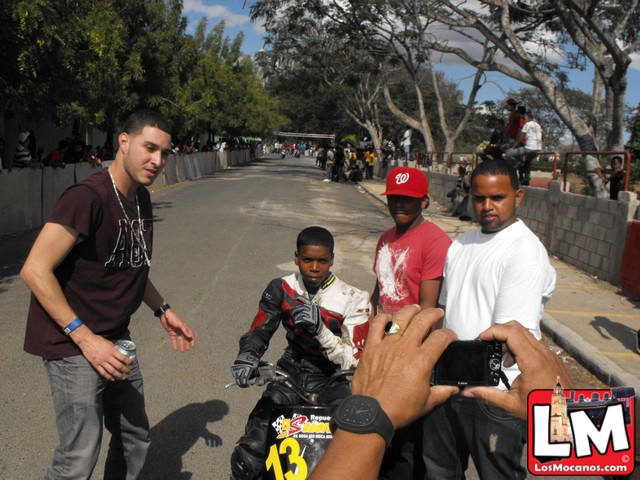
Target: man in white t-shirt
x=406 y=145
x=498 y=273
x=530 y=141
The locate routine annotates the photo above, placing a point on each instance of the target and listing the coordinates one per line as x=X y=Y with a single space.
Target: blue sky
x=236 y=16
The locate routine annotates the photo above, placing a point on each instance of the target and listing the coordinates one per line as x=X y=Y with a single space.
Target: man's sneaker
x=326 y=180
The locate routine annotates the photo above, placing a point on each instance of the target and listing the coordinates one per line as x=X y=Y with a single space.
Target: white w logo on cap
x=402 y=178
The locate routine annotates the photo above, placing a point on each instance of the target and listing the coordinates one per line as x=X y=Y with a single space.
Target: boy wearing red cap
x=410 y=256
x=409 y=262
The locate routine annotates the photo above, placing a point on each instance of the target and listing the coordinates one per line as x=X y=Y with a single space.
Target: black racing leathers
x=310 y=360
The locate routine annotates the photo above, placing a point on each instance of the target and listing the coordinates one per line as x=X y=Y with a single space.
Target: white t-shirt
x=533 y=132
x=495 y=278
x=406 y=138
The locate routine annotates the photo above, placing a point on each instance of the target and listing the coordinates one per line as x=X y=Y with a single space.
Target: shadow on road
x=172 y=437
x=608 y=329
x=13 y=253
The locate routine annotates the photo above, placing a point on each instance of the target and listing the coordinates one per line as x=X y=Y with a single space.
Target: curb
x=587 y=355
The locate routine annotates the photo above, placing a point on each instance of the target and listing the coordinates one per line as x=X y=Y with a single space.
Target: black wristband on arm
x=161 y=311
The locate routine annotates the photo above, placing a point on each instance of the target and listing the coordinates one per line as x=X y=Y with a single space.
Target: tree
x=603 y=34
x=343 y=80
x=95 y=61
x=390 y=33
x=555 y=130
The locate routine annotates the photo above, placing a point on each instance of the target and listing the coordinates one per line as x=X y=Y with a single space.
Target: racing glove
x=307 y=316
x=245 y=367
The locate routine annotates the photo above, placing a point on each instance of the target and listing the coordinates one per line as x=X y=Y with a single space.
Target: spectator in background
x=616 y=179
x=78 y=151
x=370 y=160
x=33 y=146
x=496 y=140
x=530 y=143
x=340 y=161
x=91 y=156
x=460 y=194
x=514 y=124
x=321 y=158
x=56 y=157
x=330 y=164
x=22 y=158
x=406 y=145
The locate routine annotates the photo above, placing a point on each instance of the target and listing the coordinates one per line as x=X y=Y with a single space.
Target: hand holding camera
x=539 y=367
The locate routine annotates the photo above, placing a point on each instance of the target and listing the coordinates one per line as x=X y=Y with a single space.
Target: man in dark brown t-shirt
x=88 y=271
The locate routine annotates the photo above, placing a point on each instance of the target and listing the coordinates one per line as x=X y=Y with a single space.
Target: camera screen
x=464 y=362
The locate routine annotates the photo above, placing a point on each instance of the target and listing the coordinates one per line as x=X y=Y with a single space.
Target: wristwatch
x=361 y=414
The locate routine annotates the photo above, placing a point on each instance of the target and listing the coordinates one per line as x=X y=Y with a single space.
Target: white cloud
x=219 y=12
x=635 y=61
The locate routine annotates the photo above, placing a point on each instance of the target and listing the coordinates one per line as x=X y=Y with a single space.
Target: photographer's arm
x=395 y=370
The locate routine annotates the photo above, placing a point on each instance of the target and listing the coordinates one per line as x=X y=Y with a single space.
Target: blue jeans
x=467 y=426
x=82 y=400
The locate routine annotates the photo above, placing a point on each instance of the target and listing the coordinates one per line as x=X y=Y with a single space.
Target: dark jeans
x=369 y=172
x=403 y=460
x=467 y=426
x=491 y=152
x=521 y=159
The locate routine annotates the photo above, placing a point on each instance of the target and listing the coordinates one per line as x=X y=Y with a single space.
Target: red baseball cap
x=512 y=101
x=407 y=181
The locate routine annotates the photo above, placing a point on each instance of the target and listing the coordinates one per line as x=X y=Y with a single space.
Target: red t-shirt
x=515 y=124
x=104 y=276
x=404 y=261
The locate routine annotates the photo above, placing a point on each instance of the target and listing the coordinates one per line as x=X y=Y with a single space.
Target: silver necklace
x=137 y=232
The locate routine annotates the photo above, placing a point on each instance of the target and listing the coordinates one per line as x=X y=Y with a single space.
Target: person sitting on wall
x=497 y=139
x=22 y=157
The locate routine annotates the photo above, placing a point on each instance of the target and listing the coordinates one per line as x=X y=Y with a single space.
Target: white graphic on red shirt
x=390 y=271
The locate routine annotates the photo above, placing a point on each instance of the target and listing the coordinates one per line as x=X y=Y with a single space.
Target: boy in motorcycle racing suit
x=326 y=323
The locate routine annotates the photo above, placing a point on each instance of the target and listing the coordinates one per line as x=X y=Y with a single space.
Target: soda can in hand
x=128 y=348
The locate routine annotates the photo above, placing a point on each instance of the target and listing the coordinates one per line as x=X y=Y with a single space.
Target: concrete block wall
x=589 y=232
x=54 y=182
x=27 y=196
x=584 y=231
x=20 y=200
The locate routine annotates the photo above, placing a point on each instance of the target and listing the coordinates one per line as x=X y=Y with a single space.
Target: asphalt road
x=218 y=242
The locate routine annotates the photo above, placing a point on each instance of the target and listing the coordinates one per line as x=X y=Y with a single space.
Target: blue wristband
x=72 y=326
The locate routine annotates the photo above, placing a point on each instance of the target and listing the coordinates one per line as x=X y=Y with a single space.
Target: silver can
x=127 y=347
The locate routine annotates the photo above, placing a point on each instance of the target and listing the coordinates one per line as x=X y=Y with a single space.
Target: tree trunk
x=422 y=126
x=618 y=89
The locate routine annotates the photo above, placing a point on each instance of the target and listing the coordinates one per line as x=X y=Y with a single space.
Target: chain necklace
x=137 y=232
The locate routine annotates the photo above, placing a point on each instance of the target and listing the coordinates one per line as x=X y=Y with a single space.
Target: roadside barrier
x=28 y=195
x=566 y=168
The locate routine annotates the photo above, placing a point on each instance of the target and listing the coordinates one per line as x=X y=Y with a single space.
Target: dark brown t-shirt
x=105 y=274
